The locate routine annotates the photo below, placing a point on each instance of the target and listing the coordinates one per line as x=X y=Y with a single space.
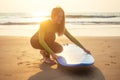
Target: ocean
x=79 y=24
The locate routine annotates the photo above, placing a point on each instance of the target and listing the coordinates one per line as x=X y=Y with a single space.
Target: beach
x=20 y=61
x=96 y=25
x=99 y=33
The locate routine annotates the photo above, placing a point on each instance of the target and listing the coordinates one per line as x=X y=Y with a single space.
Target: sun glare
x=40 y=16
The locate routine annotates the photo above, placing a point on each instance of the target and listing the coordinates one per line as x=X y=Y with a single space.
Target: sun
x=40 y=16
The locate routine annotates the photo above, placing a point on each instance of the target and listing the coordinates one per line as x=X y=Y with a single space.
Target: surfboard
x=74 y=56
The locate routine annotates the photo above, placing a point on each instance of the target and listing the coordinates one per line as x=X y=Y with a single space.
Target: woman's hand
x=87 y=51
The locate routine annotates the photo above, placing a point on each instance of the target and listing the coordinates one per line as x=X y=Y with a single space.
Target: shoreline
x=76 y=30
x=22 y=62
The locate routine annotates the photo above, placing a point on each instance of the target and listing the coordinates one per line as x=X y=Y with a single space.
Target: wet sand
x=19 y=61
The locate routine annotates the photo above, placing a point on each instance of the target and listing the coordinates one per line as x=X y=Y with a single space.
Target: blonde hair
x=60 y=27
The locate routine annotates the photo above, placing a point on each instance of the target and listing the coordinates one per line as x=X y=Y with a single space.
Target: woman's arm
x=74 y=40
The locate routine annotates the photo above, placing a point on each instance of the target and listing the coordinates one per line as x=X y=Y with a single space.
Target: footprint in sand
x=21 y=56
x=107 y=64
x=113 y=62
x=26 y=63
x=8 y=74
x=19 y=63
x=34 y=65
x=112 y=56
x=108 y=46
x=24 y=51
x=1 y=57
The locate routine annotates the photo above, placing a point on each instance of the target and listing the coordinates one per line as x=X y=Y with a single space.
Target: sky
x=67 y=5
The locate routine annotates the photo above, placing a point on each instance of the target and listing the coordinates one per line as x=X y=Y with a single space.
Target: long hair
x=60 y=27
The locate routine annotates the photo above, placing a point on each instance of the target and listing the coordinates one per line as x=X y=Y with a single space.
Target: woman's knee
x=34 y=43
x=57 y=48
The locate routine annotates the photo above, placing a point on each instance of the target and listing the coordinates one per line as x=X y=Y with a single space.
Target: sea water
x=79 y=24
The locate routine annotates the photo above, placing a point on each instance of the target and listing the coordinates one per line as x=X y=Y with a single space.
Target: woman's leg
x=35 y=44
x=35 y=41
x=56 y=47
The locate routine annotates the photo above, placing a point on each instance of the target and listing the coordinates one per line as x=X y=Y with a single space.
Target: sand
x=19 y=61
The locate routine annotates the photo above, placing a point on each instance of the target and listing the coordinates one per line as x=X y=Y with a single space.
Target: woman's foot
x=46 y=57
x=49 y=61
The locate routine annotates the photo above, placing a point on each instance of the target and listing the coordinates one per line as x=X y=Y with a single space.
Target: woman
x=44 y=39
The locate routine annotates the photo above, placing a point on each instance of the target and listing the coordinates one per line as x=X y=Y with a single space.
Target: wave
x=68 y=15
x=94 y=23
x=90 y=16
x=94 y=15
x=19 y=23
x=68 y=22
x=71 y=18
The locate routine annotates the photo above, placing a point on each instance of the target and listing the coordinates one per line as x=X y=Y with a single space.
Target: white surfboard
x=74 y=56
